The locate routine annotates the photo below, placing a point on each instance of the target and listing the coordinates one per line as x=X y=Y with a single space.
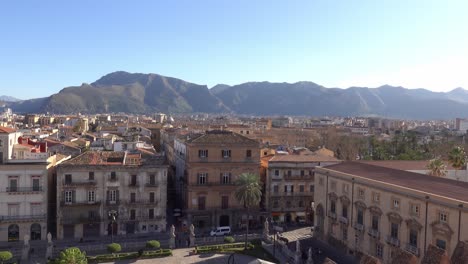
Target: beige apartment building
x=290 y=185
x=381 y=212
x=210 y=164
x=96 y=185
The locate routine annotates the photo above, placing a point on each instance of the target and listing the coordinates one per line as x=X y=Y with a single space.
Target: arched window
x=13 y=232
x=35 y=231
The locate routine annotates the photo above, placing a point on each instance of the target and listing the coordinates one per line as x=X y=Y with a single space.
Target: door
x=91 y=230
x=35 y=231
x=68 y=231
x=224 y=220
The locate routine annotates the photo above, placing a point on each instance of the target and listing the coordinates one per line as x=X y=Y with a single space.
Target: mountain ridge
x=145 y=93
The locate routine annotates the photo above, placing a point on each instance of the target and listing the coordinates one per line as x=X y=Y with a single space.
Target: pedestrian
x=188 y=242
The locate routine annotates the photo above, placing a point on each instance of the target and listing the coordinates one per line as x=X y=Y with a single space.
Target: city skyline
x=53 y=45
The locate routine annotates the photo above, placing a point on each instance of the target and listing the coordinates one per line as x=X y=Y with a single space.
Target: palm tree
x=72 y=255
x=437 y=167
x=248 y=193
x=457 y=158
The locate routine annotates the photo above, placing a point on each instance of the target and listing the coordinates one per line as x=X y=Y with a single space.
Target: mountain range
x=146 y=93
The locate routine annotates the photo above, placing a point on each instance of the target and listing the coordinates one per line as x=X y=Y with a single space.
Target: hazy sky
x=48 y=45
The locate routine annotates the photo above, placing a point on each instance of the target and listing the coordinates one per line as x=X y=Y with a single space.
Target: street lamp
x=112 y=214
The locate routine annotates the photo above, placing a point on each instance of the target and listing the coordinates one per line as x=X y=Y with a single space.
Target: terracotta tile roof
x=403 y=256
x=221 y=136
x=435 y=255
x=98 y=158
x=6 y=130
x=367 y=259
x=460 y=254
x=432 y=185
x=403 y=164
x=303 y=158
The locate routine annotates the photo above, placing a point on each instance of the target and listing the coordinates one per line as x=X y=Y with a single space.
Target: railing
x=113 y=179
x=133 y=184
x=297 y=177
x=359 y=227
x=373 y=232
x=343 y=220
x=393 y=241
x=24 y=189
x=141 y=201
x=211 y=184
x=149 y=184
x=111 y=203
x=22 y=217
x=80 y=182
x=292 y=194
x=141 y=217
x=79 y=203
x=412 y=249
x=81 y=219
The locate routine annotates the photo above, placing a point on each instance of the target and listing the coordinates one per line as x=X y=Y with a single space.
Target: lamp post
x=112 y=215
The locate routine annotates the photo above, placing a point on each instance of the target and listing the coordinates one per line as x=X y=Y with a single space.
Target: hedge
x=229 y=239
x=114 y=248
x=5 y=255
x=224 y=247
x=132 y=255
x=153 y=244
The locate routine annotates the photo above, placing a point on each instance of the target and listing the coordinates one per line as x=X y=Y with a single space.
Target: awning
x=275 y=213
x=300 y=214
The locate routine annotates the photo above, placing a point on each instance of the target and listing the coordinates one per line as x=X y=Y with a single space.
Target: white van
x=221 y=231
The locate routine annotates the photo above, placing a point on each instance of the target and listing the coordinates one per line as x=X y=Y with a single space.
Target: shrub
x=153 y=244
x=114 y=248
x=229 y=239
x=72 y=255
x=5 y=255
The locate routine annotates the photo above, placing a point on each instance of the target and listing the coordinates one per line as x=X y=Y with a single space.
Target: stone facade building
x=94 y=186
x=381 y=211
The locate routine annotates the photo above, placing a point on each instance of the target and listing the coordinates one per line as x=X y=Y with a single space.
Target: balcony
x=80 y=203
x=393 y=241
x=142 y=218
x=84 y=182
x=137 y=202
x=24 y=189
x=292 y=194
x=208 y=184
x=22 y=218
x=151 y=185
x=113 y=203
x=297 y=177
x=412 y=249
x=332 y=215
x=359 y=227
x=343 y=220
x=133 y=185
x=373 y=233
x=81 y=219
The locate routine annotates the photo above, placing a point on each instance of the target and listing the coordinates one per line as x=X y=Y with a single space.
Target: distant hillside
x=6 y=98
x=147 y=93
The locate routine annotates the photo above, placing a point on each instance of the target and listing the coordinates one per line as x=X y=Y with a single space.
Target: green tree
x=72 y=255
x=437 y=167
x=457 y=157
x=5 y=255
x=249 y=194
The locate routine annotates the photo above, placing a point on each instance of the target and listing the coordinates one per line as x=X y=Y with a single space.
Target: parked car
x=221 y=231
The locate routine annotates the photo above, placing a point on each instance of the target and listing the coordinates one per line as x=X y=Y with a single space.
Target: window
x=291 y=188
x=301 y=188
x=224 y=202
x=201 y=202
x=226 y=153
x=311 y=188
x=68 y=178
x=277 y=173
x=360 y=217
x=288 y=204
x=413 y=238
x=375 y=222
x=379 y=250
x=443 y=217
x=289 y=173
x=321 y=180
x=361 y=193
x=333 y=185
x=36 y=182
x=133 y=197
x=301 y=203
x=345 y=188
x=394 y=230
x=91 y=176
x=302 y=173
x=91 y=196
x=376 y=197
x=275 y=188
x=225 y=178
x=151 y=213
x=151 y=197
x=152 y=179
x=333 y=206
x=113 y=176
x=132 y=214
x=415 y=209
x=68 y=197
x=344 y=211
x=311 y=173
x=441 y=244
x=112 y=195
x=248 y=153
x=275 y=204
x=203 y=153
x=396 y=204
x=133 y=181
x=202 y=178
x=13 y=184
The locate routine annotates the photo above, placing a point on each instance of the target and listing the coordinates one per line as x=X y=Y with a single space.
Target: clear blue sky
x=48 y=45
